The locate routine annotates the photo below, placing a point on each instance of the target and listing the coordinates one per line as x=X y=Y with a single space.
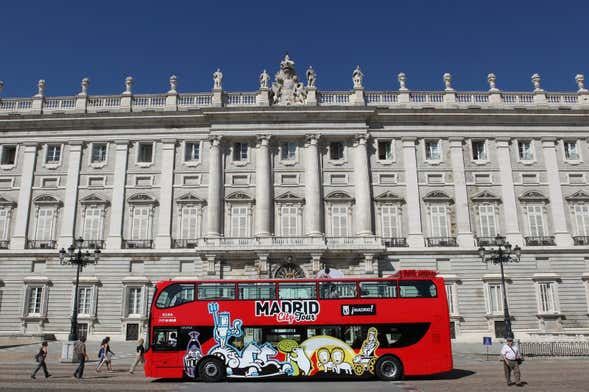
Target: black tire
x=211 y=370
x=389 y=368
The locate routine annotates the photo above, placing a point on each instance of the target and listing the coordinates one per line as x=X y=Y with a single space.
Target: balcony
x=137 y=244
x=441 y=241
x=395 y=242
x=93 y=244
x=185 y=243
x=297 y=241
x=41 y=244
x=490 y=241
x=231 y=242
x=540 y=241
x=579 y=240
x=4 y=244
x=353 y=242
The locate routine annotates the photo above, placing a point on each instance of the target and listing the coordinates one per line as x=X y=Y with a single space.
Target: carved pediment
x=189 y=198
x=239 y=197
x=533 y=196
x=578 y=196
x=286 y=88
x=6 y=203
x=389 y=197
x=486 y=196
x=141 y=198
x=93 y=199
x=437 y=197
x=338 y=196
x=288 y=197
x=46 y=199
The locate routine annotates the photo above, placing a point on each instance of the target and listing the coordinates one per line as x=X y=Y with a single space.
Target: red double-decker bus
x=384 y=327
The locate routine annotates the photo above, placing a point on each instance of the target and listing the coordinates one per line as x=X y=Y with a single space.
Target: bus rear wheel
x=389 y=368
x=211 y=370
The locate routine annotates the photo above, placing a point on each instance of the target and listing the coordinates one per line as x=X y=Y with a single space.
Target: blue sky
x=64 y=41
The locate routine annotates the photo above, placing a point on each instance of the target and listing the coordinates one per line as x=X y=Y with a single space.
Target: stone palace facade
x=286 y=180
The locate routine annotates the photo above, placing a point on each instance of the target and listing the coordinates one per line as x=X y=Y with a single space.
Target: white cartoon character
x=223 y=329
x=193 y=354
x=337 y=356
x=366 y=359
x=300 y=358
x=324 y=359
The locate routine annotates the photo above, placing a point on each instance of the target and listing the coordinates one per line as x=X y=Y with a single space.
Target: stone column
x=214 y=205
x=313 y=210
x=115 y=230
x=68 y=222
x=263 y=188
x=510 y=212
x=19 y=236
x=415 y=234
x=557 y=209
x=363 y=221
x=164 y=226
x=464 y=236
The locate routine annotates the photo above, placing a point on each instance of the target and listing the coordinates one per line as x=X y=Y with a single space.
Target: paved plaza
x=472 y=373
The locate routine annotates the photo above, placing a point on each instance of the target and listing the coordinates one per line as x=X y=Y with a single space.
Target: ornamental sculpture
x=357 y=77
x=264 y=78
x=286 y=88
x=311 y=77
x=217 y=79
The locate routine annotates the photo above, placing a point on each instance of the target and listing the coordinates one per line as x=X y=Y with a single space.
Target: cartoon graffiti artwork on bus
x=193 y=354
x=366 y=359
x=255 y=360
x=296 y=356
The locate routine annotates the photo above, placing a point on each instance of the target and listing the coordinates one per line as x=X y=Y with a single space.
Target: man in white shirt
x=511 y=357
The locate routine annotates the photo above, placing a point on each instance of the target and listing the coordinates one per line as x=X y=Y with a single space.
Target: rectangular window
x=35 y=301
x=191 y=152
x=134 y=301
x=140 y=225
x=390 y=221
x=53 y=153
x=535 y=220
x=339 y=221
x=44 y=231
x=98 y=152
x=189 y=222
x=479 y=150
x=336 y=151
x=385 y=150
x=417 y=289
x=494 y=299
x=582 y=218
x=487 y=217
x=94 y=182
x=529 y=178
x=288 y=151
x=145 y=152
x=256 y=291
x=93 y=224
x=85 y=300
x=378 y=289
x=546 y=297
x=432 y=150
x=571 y=151
x=239 y=222
x=435 y=178
x=8 y=154
x=216 y=291
x=525 y=150
x=4 y=224
x=240 y=152
x=289 y=179
x=576 y=178
x=334 y=290
x=450 y=294
x=439 y=219
x=288 y=221
x=296 y=291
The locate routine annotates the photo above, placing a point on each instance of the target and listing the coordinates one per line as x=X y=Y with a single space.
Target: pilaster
x=363 y=208
x=214 y=205
x=114 y=240
x=415 y=236
x=464 y=235
x=263 y=187
x=313 y=210
x=163 y=238
x=68 y=222
x=19 y=236
x=512 y=229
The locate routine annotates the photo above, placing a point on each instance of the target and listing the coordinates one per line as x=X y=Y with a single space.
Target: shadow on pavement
x=453 y=374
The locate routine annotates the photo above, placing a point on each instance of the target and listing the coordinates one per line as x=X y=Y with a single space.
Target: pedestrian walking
x=511 y=358
x=81 y=355
x=40 y=358
x=105 y=355
x=140 y=355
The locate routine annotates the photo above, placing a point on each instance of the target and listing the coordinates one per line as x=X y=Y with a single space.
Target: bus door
x=166 y=348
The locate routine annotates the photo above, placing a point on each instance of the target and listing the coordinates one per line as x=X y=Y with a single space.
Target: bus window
x=337 y=290
x=165 y=339
x=275 y=335
x=378 y=289
x=256 y=291
x=249 y=335
x=352 y=335
x=296 y=291
x=417 y=289
x=216 y=291
x=175 y=294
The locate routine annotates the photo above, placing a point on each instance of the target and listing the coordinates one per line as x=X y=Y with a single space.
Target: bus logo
x=359 y=310
x=292 y=311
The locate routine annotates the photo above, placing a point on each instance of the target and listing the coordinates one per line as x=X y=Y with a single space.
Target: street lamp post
x=502 y=252
x=75 y=256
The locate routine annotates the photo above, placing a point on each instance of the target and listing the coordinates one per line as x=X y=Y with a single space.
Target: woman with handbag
x=40 y=358
x=511 y=358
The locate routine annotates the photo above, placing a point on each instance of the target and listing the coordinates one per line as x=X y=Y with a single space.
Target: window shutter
x=439 y=221
x=189 y=222
x=3 y=223
x=340 y=221
x=289 y=221
x=582 y=215
x=535 y=220
x=389 y=222
x=92 y=224
x=44 y=224
x=239 y=221
x=487 y=216
x=140 y=229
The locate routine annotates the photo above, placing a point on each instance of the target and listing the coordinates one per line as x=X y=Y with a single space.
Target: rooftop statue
x=286 y=88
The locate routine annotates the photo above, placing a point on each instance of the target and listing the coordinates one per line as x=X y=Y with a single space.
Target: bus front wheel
x=389 y=368
x=211 y=370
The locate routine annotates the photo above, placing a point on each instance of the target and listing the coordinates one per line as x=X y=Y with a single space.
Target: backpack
x=101 y=352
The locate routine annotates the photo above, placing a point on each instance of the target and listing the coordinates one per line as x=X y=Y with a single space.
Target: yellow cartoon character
x=324 y=359
x=366 y=359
